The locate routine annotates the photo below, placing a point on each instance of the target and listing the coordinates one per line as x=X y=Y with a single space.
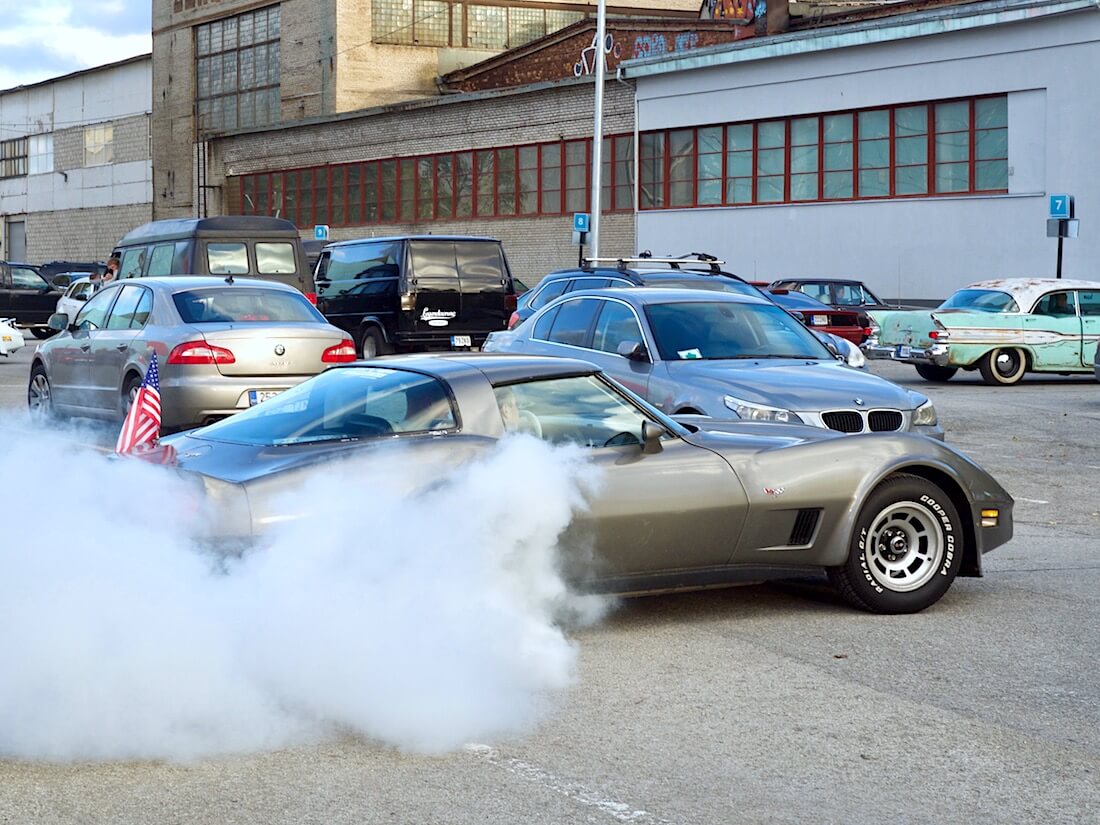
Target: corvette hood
x=793 y=384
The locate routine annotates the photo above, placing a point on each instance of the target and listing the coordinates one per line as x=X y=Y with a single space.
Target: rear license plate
x=820 y=320
x=256 y=396
x=461 y=341
x=902 y=351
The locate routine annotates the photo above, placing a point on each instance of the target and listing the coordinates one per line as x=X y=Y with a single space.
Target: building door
x=17 y=241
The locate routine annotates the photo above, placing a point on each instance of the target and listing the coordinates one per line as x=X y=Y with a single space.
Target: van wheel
x=371 y=344
x=930 y=372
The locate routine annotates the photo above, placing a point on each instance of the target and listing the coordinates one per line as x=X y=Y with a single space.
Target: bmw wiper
x=289 y=442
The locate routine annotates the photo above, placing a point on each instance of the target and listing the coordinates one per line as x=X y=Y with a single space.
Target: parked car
x=27 y=298
x=80 y=289
x=62 y=273
x=697 y=271
x=255 y=246
x=222 y=345
x=851 y=325
x=894 y=519
x=416 y=292
x=720 y=355
x=1003 y=328
x=837 y=292
x=11 y=337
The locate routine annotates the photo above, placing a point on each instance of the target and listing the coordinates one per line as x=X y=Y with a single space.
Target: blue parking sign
x=320 y=232
x=1061 y=206
x=580 y=221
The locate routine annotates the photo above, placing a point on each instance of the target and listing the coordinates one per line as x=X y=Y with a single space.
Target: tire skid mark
x=572 y=790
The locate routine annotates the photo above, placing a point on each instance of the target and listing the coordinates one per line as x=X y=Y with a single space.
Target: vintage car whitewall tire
x=931 y=372
x=1003 y=366
x=905 y=551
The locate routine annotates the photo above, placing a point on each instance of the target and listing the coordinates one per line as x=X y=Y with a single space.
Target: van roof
x=416 y=238
x=174 y=228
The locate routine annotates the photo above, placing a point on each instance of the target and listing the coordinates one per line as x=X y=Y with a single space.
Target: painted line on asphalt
x=573 y=790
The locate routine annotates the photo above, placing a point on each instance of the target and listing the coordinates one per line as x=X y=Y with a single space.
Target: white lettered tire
x=906 y=549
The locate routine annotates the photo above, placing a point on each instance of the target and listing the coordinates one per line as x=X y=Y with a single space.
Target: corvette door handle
x=85 y=347
x=122 y=347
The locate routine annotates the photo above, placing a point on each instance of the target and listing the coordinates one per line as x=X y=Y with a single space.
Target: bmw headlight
x=760 y=412
x=924 y=415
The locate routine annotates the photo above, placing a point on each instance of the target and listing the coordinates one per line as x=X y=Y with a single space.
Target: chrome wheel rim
x=38 y=397
x=905 y=547
x=1007 y=363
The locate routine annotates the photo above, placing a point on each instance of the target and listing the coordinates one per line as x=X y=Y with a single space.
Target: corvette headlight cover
x=760 y=412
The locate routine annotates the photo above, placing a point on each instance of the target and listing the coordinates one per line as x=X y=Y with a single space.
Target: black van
x=252 y=245
x=416 y=292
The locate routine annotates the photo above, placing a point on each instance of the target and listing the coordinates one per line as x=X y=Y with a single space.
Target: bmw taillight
x=312 y=298
x=513 y=320
x=342 y=353
x=200 y=352
x=511 y=301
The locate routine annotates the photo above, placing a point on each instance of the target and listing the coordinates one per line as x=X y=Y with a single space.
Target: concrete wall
x=914 y=248
x=534 y=244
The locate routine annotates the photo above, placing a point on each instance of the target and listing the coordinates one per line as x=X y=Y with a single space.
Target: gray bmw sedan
x=720 y=355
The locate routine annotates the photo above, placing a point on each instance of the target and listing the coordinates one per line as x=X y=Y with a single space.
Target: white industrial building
x=75 y=167
x=916 y=152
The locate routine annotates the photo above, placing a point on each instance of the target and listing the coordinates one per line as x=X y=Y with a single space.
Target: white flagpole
x=597 y=131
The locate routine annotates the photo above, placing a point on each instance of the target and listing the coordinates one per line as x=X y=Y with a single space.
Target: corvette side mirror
x=651 y=437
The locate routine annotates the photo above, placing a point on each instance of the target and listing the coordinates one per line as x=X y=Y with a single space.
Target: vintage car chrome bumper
x=936 y=354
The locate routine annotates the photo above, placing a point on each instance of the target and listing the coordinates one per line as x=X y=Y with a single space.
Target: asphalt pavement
x=762 y=704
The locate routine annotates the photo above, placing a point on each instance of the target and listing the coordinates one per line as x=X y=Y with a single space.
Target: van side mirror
x=59 y=321
x=651 y=437
x=633 y=351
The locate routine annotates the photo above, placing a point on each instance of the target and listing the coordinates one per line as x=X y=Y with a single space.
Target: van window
x=181 y=263
x=160 y=262
x=369 y=260
x=433 y=263
x=227 y=258
x=479 y=266
x=275 y=258
x=133 y=262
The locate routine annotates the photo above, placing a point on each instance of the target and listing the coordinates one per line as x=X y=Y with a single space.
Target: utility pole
x=597 y=130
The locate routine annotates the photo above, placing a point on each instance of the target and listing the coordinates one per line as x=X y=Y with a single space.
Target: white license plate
x=461 y=341
x=902 y=351
x=820 y=320
x=256 y=396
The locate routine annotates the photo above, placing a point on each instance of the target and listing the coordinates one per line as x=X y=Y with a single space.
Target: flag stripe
x=141 y=429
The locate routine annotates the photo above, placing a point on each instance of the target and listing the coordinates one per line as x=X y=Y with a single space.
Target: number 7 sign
x=1061 y=206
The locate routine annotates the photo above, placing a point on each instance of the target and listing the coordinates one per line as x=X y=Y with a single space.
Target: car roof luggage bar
x=700 y=257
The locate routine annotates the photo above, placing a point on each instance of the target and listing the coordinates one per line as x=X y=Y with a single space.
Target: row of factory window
x=33 y=155
x=944 y=148
x=442 y=23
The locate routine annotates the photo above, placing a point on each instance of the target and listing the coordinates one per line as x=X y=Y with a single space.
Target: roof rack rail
x=644 y=258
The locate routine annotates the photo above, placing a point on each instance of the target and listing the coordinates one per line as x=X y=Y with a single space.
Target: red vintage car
x=850 y=324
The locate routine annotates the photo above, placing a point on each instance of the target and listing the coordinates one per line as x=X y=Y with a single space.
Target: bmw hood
x=795 y=384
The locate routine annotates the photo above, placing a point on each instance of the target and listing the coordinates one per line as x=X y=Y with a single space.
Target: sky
x=41 y=39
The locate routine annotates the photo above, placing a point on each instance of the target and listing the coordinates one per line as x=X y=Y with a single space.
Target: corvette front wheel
x=905 y=551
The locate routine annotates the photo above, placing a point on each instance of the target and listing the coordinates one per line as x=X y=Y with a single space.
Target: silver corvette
x=685 y=503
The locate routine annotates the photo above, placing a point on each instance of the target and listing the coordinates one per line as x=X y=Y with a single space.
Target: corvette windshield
x=714 y=331
x=981 y=300
x=345 y=404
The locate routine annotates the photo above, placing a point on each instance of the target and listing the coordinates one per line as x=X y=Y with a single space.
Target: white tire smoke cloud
x=424 y=621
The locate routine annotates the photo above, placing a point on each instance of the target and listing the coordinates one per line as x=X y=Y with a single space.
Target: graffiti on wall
x=744 y=10
x=652 y=45
x=587 y=63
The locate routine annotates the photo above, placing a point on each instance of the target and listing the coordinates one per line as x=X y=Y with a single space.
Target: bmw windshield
x=702 y=330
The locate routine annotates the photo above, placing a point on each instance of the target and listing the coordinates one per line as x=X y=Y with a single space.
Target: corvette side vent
x=805 y=524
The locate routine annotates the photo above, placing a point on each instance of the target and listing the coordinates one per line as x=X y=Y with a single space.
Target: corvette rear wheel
x=906 y=549
x=930 y=372
x=1003 y=366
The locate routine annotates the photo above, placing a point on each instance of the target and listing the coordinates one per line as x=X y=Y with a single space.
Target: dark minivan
x=248 y=245
x=416 y=292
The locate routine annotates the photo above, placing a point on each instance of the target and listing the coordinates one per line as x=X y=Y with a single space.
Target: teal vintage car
x=1003 y=328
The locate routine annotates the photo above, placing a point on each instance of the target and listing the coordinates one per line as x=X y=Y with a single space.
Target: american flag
x=141 y=429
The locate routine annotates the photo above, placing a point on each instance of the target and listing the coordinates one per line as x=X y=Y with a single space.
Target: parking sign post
x=1061 y=224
